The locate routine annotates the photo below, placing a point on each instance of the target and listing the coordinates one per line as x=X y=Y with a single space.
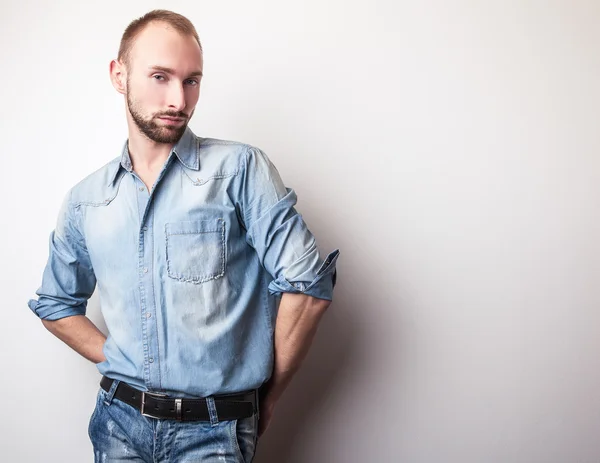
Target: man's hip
x=119 y=431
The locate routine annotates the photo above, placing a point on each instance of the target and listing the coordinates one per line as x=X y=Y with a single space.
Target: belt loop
x=111 y=392
x=212 y=411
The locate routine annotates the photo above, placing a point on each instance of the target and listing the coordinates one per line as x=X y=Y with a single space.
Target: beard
x=150 y=128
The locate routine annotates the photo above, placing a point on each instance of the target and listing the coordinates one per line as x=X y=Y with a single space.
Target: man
x=210 y=283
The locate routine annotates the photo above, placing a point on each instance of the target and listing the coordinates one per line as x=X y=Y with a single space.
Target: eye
x=158 y=77
x=192 y=82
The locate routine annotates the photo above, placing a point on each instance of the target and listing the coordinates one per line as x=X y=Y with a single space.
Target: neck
x=146 y=154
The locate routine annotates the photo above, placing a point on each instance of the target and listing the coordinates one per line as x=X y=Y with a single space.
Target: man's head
x=159 y=69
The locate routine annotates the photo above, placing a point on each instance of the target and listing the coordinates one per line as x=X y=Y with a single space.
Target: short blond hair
x=178 y=22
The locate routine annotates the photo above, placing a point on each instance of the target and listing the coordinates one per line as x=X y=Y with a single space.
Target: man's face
x=163 y=82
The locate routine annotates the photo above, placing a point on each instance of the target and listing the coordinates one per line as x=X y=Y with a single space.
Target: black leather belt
x=155 y=405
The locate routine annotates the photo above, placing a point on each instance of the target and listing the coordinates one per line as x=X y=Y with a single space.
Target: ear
x=118 y=76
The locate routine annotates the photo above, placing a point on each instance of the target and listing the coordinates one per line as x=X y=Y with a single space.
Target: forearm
x=296 y=325
x=79 y=333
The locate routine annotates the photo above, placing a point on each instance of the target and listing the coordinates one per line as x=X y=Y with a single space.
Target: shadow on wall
x=328 y=364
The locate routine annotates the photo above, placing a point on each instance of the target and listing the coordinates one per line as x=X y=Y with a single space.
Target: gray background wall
x=449 y=148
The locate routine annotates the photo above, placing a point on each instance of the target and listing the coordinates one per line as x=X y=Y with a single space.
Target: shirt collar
x=186 y=149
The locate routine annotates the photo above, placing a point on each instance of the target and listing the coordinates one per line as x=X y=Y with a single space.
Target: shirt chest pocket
x=195 y=250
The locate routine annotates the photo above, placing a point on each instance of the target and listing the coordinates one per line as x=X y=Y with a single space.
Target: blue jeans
x=119 y=432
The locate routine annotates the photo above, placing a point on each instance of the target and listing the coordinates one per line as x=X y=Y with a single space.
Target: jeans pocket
x=244 y=433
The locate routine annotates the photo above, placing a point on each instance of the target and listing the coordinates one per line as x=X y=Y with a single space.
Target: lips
x=172 y=120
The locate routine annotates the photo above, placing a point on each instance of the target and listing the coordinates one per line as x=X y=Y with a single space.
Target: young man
x=210 y=282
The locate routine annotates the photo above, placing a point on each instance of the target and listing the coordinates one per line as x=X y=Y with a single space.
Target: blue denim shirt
x=188 y=274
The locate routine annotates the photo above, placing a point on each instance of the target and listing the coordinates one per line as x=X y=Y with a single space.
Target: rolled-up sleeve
x=68 y=280
x=285 y=246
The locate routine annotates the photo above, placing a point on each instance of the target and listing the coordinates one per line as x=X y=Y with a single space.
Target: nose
x=176 y=96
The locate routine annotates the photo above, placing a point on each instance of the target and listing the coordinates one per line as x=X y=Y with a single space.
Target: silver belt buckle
x=143 y=407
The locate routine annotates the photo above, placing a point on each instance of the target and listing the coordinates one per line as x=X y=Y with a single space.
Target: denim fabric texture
x=119 y=433
x=188 y=274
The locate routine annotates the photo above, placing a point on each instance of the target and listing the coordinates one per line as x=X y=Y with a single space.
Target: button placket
x=149 y=335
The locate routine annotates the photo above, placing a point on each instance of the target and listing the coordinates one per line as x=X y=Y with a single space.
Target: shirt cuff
x=49 y=312
x=321 y=287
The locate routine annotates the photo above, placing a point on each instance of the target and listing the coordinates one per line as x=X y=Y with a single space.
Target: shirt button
x=145 y=269
x=141 y=188
x=145 y=228
x=151 y=360
x=148 y=314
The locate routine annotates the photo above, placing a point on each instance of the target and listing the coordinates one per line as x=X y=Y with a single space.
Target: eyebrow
x=172 y=71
